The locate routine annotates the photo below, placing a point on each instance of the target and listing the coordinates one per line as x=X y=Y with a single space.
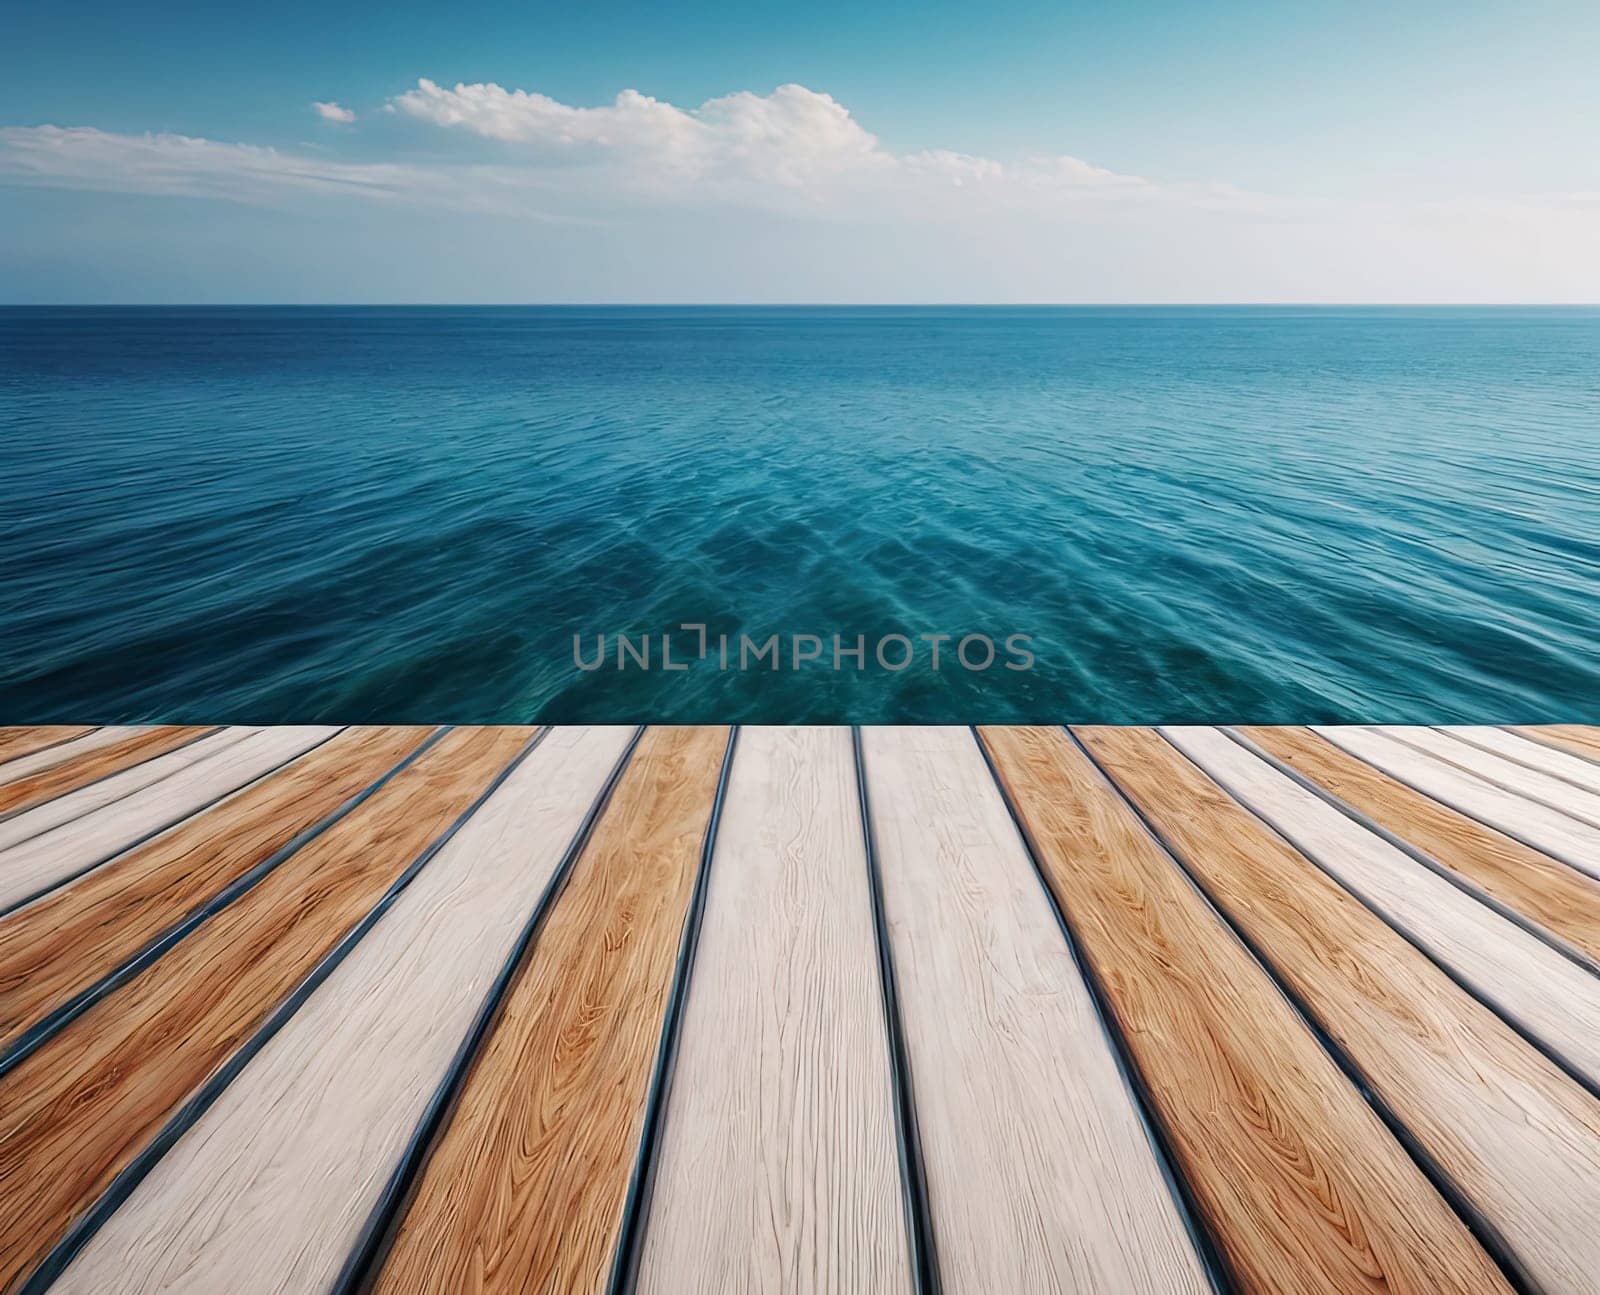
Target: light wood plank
x=1533 y=784
x=268 y=1192
x=20 y=741
x=74 y=1113
x=74 y=936
x=78 y=805
x=1551 y=996
x=1303 y=1186
x=1040 y=1175
x=1574 y=843
x=777 y=1166
x=190 y=787
x=525 y=1188
x=1551 y=760
x=1582 y=739
x=24 y=766
x=58 y=779
x=1563 y=901
x=1516 y=1136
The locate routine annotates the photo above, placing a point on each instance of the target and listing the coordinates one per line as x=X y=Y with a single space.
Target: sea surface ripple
x=1242 y=514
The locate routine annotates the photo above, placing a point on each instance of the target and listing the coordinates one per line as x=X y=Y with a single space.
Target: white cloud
x=794 y=168
x=959 y=169
x=794 y=150
x=790 y=137
x=1065 y=170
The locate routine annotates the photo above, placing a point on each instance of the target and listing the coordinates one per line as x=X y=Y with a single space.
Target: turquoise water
x=1196 y=514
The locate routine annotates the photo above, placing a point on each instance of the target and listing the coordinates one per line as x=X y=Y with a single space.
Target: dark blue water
x=1196 y=514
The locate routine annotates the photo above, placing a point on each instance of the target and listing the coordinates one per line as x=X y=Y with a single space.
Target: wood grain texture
x=1581 y=739
x=1562 y=900
x=1554 y=999
x=1450 y=1069
x=24 y=766
x=1567 y=839
x=1509 y=775
x=78 y=805
x=777 y=1167
x=1040 y=1174
x=19 y=741
x=72 y=937
x=1555 y=761
x=525 y=1187
x=1304 y=1188
x=194 y=786
x=75 y=1112
x=268 y=1192
x=91 y=766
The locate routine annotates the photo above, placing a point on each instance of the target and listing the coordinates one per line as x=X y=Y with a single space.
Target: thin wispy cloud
x=81 y=157
x=795 y=149
x=759 y=166
x=171 y=165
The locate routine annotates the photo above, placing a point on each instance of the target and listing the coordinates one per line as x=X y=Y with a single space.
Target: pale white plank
x=214 y=767
x=268 y=1191
x=1040 y=1174
x=1560 y=835
x=1551 y=997
x=24 y=765
x=1566 y=781
x=1524 y=749
x=86 y=800
x=777 y=1167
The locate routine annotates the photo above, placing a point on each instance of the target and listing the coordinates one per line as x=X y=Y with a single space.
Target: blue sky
x=1020 y=151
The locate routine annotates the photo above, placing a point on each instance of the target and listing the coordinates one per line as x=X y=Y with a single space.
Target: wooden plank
x=62 y=853
x=92 y=766
x=1551 y=760
x=1557 y=898
x=78 y=805
x=1582 y=739
x=1304 y=1188
x=19 y=741
x=1453 y=1073
x=330 y=1101
x=24 y=766
x=1041 y=1175
x=1574 y=843
x=74 y=936
x=777 y=1164
x=1508 y=774
x=76 y=1112
x=524 y=1190
x=1552 y=997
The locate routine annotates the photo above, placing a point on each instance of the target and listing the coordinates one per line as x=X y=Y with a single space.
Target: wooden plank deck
x=1447 y=1068
x=49 y=747
x=18 y=742
x=606 y=1010
x=777 y=1167
x=1041 y=1173
x=1525 y=884
x=18 y=794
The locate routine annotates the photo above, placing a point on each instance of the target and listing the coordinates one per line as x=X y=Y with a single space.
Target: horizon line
x=795 y=305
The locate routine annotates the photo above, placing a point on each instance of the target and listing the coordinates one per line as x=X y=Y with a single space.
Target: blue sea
x=1190 y=514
